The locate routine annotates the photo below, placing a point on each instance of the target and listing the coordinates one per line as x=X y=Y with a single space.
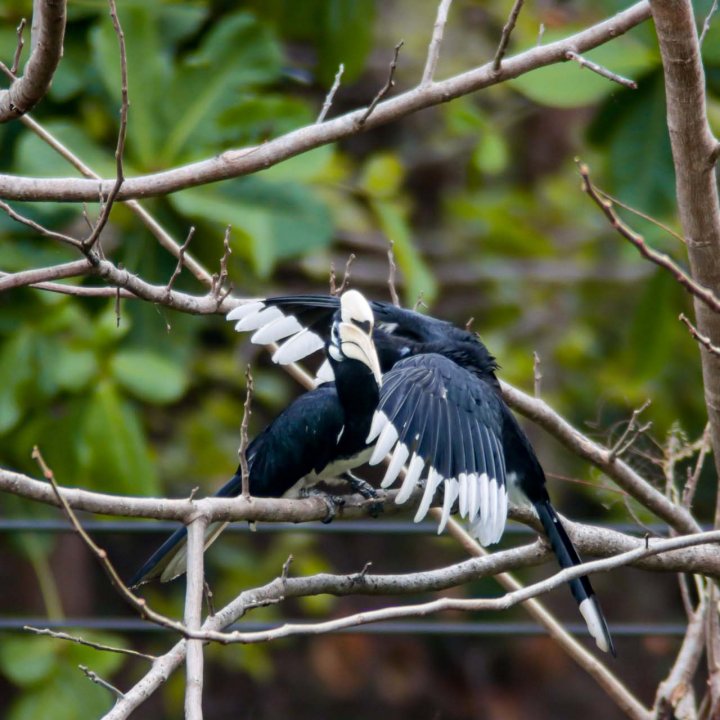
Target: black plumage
x=442 y=417
x=319 y=436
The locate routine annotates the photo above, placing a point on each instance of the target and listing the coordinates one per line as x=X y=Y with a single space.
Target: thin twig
x=163 y=237
x=20 y=44
x=385 y=89
x=641 y=214
x=600 y=70
x=37 y=227
x=506 y=33
x=609 y=682
x=537 y=374
x=331 y=94
x=220 y=279
x=510 y=599
x=242 y=161
x=94 y=677
x=392 y=271
x=209 y=598
x=693 y=478
x=181 y=259
x=139 y=604
x=76 y=290
x=88 y=643
x=704 y=340
x=90 y=241
x=706 y=24
x=435 y=42
x=242 y=452
x=336 y=289
x=285 y=572
x=630 y=434
x=699 y=291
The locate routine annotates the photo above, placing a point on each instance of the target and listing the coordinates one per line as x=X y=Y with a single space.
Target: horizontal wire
x=390 y=527
x=395 y=627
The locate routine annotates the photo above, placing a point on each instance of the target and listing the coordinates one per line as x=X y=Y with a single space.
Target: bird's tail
x=580 y=587
x=170 y=559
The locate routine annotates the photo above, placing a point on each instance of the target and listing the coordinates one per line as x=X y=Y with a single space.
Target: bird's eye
x=364 y=325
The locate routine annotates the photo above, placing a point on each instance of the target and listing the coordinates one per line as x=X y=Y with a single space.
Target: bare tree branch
x=539 y=412
x=88 y=643
x=609 y=682
x=436 y=41
x=244 y=442
x=505 y=36
x=327 y=104
x=94 y=677
x=676 y=690
x=600 y=70
x=702 y=339
x=162 y=236
x=37 y=227
x=120 y=148
x=20 y=45
x=27 y=91
x=193 y=617
x=235 y=163
x=384 y=90
x=9 y=281
x=698 y=290
x=693 y=147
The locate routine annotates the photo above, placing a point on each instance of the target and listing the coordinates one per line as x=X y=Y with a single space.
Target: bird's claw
x=364 y=488
x=332 y=502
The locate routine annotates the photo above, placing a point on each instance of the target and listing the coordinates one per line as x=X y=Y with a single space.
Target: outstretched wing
x=442 y=424
x=303 y=323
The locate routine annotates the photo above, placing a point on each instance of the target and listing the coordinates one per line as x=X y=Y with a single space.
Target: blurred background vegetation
x=482 y=200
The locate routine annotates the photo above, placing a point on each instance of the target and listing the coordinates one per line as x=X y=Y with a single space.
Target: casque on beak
x=355 y=343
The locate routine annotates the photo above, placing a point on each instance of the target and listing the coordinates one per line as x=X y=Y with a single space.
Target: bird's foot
x=333 y=502
x=364 y=488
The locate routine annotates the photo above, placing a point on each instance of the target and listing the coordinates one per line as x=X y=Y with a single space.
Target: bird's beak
x=358 y=345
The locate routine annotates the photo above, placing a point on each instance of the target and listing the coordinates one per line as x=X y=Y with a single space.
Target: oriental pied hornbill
x=440 y=414
x=320 y=436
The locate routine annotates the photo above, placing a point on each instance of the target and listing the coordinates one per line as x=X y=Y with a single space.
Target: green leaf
x=237 y=54
x=382 y=175
x=418 y=278
x=345 y=35
x=640 y=165
x=149 y=70
x=149 y=376
x=270 y=221
x=16 y=371
x=36 y=158
x=26 y=660
x=568 y=85
x=68 y=695
x=72 y=368
x=112 y=451
x=491 y=154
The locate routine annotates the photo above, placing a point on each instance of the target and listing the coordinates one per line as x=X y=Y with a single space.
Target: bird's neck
x=357 y=390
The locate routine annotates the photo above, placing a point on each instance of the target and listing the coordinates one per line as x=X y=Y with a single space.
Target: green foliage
x=48 y=672
x=480 y=197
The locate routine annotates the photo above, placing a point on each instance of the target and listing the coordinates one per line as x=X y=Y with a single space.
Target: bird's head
x=351 y=334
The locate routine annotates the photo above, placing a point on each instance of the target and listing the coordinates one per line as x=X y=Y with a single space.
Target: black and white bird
x=440 y=416
x=319 y=437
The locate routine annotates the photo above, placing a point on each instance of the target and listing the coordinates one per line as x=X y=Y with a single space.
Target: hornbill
x=320 y=436
x=441 y=415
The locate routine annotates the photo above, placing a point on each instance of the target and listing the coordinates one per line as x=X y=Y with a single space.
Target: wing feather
x=441 y=421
